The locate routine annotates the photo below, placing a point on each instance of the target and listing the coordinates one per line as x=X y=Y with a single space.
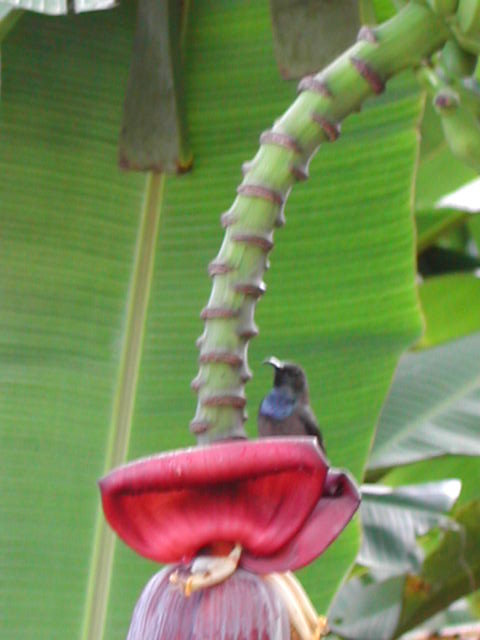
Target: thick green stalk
x=237 y=271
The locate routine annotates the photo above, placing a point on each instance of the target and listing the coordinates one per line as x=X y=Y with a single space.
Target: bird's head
x=289 y=375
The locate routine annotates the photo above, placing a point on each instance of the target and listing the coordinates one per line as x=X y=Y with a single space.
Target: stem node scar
x=281 y=140
x=369 y=75
x=258 y=191
x=314 y=84
x=367 y=34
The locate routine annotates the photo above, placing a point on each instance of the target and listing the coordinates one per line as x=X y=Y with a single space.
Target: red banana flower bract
x=276 y=497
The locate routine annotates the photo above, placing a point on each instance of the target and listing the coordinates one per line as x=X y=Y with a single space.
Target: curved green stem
x=282 y=159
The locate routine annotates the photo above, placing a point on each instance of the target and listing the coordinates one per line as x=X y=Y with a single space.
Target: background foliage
x=90 y=379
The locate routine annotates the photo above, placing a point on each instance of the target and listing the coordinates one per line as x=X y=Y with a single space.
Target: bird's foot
x=322 y=628
x=207 y=571
x=305 y=621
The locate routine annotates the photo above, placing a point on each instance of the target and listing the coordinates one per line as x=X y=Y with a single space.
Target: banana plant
x=407 y=41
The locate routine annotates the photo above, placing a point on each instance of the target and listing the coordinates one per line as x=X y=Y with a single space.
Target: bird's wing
x=309 y=420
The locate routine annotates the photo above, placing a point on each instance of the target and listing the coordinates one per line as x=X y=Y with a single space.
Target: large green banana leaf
x=450 y=304
x=368 y=609
x=8 y=18
x=474 y=228
x=69 y=224
x=393 y=518
x=451 y=307
x=99 y=317
x=464 y=468
x=450 y=571
x=388 y=601
x=433 y=407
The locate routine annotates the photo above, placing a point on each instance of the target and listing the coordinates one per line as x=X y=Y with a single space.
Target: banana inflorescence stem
x=324 y=101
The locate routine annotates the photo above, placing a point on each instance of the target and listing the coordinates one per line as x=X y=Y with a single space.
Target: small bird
x=286 y=410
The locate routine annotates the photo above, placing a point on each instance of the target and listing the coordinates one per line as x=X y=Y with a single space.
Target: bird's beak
x=274 y=362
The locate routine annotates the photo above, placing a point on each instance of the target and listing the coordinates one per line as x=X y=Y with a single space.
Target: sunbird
x=286 y=410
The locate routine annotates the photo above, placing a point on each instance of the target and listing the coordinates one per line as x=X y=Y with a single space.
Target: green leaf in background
x=452 y=466
x=449 y=572
x=341 y=293
x=451 y=307
x=8 y=19
x=392 y=519
x=459 y=613
x=153 y=135
x=364 y=608
x=463 y=467
x=432 y=223
x=308 y=34
x=474 y=228
x=433 y=408
x=69 y=223
x=384 y=609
